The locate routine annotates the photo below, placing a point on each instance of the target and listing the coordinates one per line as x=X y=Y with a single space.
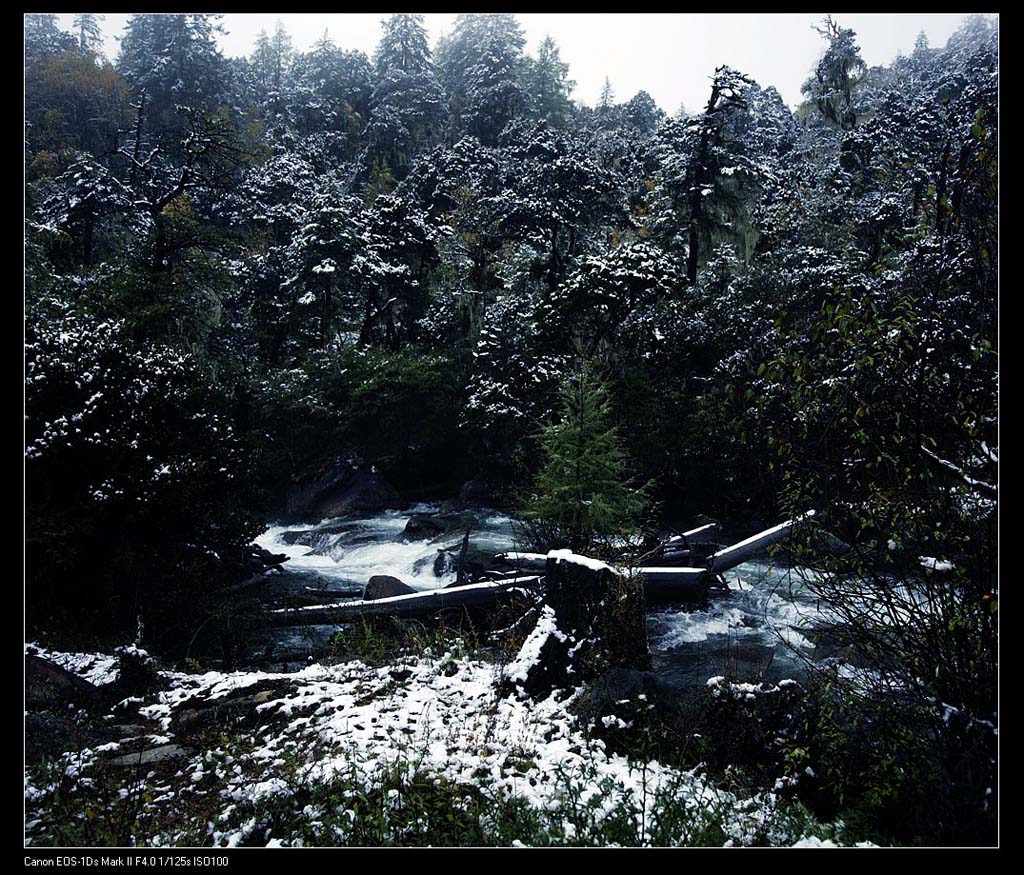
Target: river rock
x=336 y=488
x=338 y=547
x=444 y=563
x=316 y=537
x=423 y=526
x=476 y=564
x=382 y=586
x=150 y=757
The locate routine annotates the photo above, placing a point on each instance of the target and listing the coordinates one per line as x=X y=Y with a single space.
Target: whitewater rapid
x=761 y=623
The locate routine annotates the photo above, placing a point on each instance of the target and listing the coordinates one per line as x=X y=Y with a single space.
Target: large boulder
x=423 y=526
x=50 y=687
x=591 y=620
x=337 y=488
x=382 y=586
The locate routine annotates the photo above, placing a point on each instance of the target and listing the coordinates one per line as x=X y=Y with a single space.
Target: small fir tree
x=583 y=494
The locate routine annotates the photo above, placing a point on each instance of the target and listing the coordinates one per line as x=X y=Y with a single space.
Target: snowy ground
x=439 y=716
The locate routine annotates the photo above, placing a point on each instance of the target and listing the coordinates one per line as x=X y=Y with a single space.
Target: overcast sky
x=670 y=56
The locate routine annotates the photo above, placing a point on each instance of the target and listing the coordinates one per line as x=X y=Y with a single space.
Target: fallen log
x=418 y=604
x=686 y=536
x=532 y=562
x=736 y=554
x=665 y=584
x=682 y=548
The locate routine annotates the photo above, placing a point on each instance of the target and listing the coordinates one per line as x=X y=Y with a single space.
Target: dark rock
x=401 y=674
x=476 y=565
x=344 y=542
x=426 y=526
x=363 y=492
x=318 y=536
x=240 y=708
x=444 y=563
x=48 y=686
x=261 y=559
x=47 y=736
x=382 y=586
x=336 y=488
x=422 y=527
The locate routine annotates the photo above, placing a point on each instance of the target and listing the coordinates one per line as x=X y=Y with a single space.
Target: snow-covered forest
x=389 y=419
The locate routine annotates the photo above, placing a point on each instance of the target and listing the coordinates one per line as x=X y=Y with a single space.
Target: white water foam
x=760 y=606
x=409 y=561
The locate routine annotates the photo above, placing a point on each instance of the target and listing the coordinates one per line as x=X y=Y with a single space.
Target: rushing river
x=757 y=627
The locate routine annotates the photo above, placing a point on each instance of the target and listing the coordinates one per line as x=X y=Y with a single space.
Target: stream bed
x=758 y=627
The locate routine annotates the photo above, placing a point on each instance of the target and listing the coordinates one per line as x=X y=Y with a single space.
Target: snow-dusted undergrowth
x=364 y=726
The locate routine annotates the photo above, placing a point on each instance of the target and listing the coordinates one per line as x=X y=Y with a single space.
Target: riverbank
x=423 y=750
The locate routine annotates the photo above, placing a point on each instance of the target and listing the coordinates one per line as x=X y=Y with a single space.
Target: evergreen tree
x=838 y=75
x=921 y=47
x=482 y=65
x=262 y=62
x=549 y=84
x=43 y=37
x=280 y=55
x=331 y=93
x=174 y=62
x=90 y=36
x=582 y=494
x=643 y=113
x=408 y=103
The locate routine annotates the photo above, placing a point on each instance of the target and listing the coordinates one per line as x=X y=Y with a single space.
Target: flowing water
x=375 y=545
x=338 y=566
x=756 y=628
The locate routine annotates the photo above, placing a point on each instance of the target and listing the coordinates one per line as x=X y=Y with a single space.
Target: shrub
x=139 y=499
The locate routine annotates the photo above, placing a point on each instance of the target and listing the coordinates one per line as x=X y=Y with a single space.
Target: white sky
x=669 y=55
